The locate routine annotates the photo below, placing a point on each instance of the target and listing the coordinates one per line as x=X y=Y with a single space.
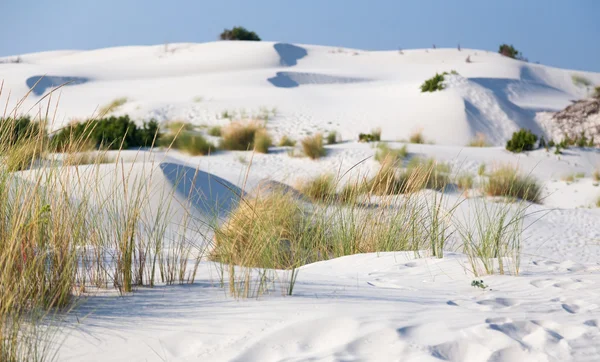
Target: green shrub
x=108 y=133
x=239 y=33
x=522 y=140
x=214 y=131
x=506 y=181
x=19 y=129
x=436 y=83
x=332 y=138
x=313 y=146
x=510 y=51
x=374 y=136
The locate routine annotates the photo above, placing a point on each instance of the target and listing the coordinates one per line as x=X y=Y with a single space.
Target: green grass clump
x=285 y=141
x=313 y=147
x=262 y=141
x=242 y=136
x=374 y=136
x=580 y=81
x=332 y=138
x=320 y=188
x=435 y=83
x=214 y=131
x=181 y=136
x=394 y=155
x=507 y=181
x=522 y=140
x=596 y=176
x=465 y=181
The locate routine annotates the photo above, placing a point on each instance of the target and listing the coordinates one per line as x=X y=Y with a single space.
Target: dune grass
x=112 y=106
x=479 y=141
x=214 y=131
x=332 y=138
x=181 y=136
x=465 y=181
x=242 y=136
x=285 y=141
x=417 y=137
x=313 y=146
x=320 y=188
x=507 y=181
x=385 y=152
x=596 y=175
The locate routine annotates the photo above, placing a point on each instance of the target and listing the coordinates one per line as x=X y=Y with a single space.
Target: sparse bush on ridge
x=239 y=33
x=313 y=147
x=435 y=83
x=510 y=51
x=580 y=80
x=374 y=136
x=507 y=181
x=522 y=140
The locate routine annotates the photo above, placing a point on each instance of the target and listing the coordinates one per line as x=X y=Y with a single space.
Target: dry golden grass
x=313 y=146
x=479 y=141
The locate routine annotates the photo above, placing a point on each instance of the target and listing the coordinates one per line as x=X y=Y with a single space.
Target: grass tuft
x=507 y=181
x=313 y=146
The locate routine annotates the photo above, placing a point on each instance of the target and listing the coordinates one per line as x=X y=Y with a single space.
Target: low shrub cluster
x=239 y=33
x=108 y=133
x=522 y=140
x=435 y=83
x=374 y=136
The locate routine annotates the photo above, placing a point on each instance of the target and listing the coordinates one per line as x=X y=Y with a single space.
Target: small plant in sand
x=570 y=178
x=479 y=284
x=285 y=141
x=417 y=137
x=580 y=80
x=507 y=181
x=313 y=147
x=465 y=181
x=181 y=136
x=214 y=131
x=332 y=138
x=435 y=83
x=596 y=176
x=522 y=140
x=374 y=136
x=319 y=188
x=395 y=155
x=479 y=141
x=481 y=170
x=242 y=136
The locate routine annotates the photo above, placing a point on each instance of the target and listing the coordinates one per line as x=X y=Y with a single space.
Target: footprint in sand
x=565 y=283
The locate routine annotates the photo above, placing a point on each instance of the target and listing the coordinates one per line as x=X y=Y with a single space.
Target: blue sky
x=562 y=33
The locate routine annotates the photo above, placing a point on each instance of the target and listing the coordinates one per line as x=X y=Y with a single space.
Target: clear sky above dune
x=562 y=33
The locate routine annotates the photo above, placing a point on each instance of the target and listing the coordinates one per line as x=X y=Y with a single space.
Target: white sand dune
x=368 y=307
x=321 y=88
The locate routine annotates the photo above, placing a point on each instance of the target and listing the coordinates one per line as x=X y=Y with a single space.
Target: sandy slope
x=312 y=87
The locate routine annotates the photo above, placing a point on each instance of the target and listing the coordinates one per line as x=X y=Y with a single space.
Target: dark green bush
x=15 y=130
x=108 y=133
x=510 y=51
x=436 y=83
x=522 y=140
x=239 y=33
